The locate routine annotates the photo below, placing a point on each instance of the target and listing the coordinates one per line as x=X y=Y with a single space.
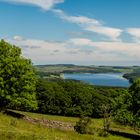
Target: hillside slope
x=18 y=129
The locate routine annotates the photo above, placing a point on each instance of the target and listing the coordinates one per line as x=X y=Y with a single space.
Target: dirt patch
x=50 y=123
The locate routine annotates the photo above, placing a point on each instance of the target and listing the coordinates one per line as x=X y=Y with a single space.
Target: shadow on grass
x=14 y=114
x=126 y=135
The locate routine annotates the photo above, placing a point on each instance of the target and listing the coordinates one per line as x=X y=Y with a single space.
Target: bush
x=82 y=126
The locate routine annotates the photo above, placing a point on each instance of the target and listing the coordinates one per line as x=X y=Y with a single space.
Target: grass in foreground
x=98 y=123
x=17 y=129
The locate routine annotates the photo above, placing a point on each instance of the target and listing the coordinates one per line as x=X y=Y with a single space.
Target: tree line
x=72 y=98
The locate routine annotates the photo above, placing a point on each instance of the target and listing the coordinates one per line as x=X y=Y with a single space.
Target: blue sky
x=100 y=32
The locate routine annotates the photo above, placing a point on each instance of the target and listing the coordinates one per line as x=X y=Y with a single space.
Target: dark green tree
x=135 y=104
x=135 y=96
x=80 y=95
x=52 y=98
x=17 y=79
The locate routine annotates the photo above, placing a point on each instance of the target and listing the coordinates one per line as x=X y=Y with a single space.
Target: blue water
x=101 y=79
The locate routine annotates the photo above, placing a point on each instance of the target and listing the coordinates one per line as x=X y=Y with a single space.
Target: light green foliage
x=127 y=107
x=17 y=79
x=121 y=109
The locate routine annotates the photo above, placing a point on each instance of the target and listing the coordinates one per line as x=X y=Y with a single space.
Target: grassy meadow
x=17 y=129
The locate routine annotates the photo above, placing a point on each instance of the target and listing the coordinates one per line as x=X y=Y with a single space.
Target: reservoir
x=100 y=79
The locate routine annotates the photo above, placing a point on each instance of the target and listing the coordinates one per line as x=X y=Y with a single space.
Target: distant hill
x=71 y=68
x=56 y=65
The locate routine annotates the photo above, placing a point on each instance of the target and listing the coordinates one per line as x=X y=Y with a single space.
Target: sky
x=83 y=32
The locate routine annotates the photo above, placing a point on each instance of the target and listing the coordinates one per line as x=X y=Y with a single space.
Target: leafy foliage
x=127 y=107
x=63 y=98
x=72 y=98
x=17 y=79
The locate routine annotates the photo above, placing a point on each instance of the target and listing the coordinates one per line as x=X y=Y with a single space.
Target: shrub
x=82 y=126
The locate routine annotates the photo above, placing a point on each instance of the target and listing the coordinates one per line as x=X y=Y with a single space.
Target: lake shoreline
x=100 y=79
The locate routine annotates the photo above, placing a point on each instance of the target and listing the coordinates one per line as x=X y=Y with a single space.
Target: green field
x=18 y=129
x=62 y=68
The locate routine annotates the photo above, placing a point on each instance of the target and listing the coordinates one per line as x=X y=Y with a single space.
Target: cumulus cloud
x=90 y=24
x=44 y=4
x=34 y=43
x=77 y=50
x=116 y=47
x=40 y=51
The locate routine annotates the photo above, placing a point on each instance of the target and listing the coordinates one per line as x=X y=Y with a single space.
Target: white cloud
x=81 y=20
x=40 y=51
x=127 y=49
x=112 y=33
x=90 y=24
x=81 y=42
x=33 y=43
x=77 y=50
x=135 y=32
x=44 y=4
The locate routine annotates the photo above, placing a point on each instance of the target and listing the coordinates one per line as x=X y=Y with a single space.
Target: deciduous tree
x=17 y=79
